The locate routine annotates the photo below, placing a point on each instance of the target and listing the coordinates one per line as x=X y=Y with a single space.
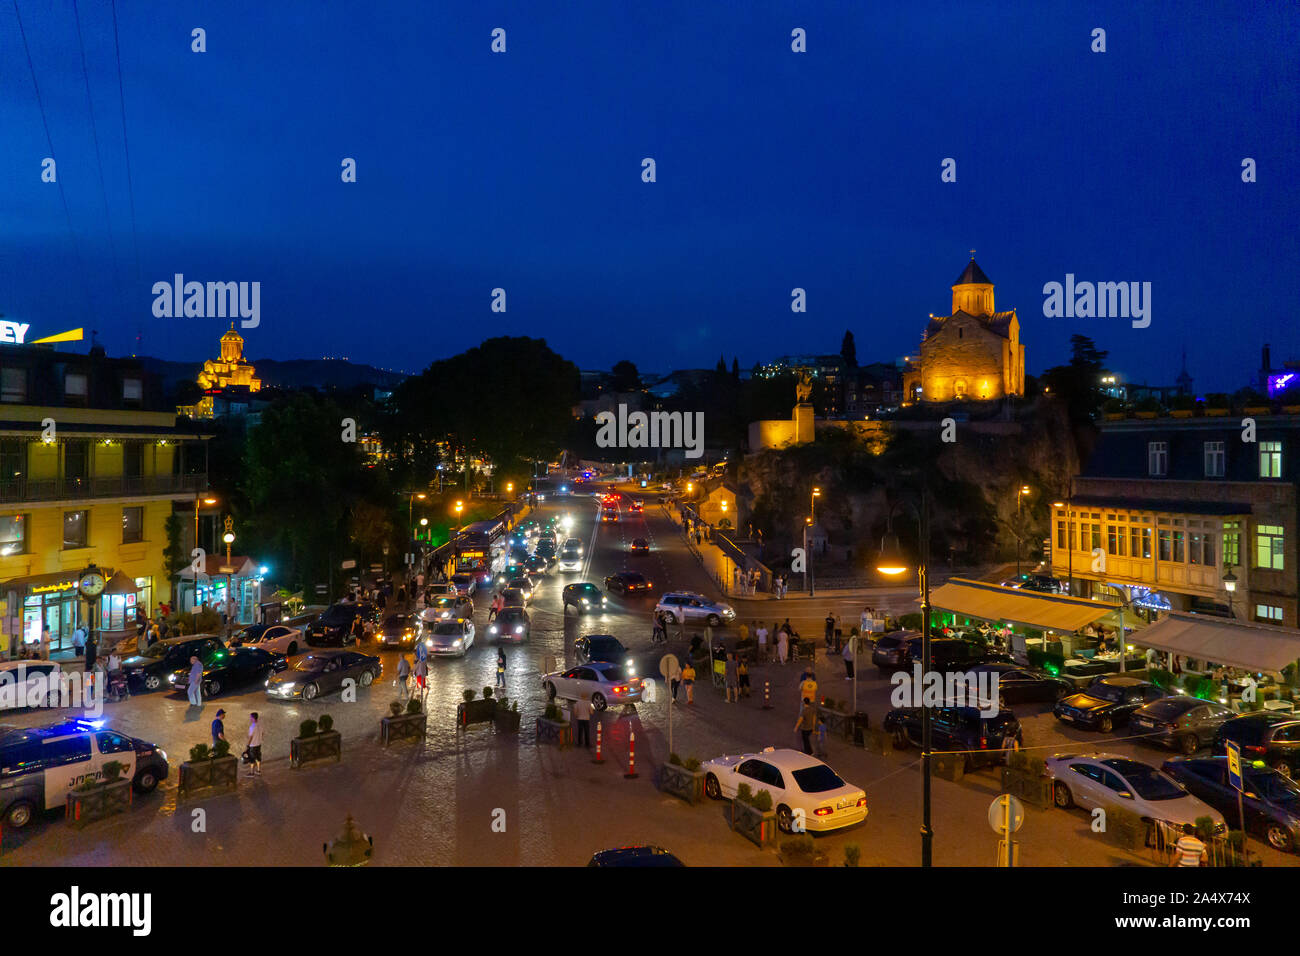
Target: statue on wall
x=803 y=388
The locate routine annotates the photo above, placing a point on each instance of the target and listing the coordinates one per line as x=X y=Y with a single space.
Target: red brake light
x=862 y=801
x=984 y=743
x=823 y=811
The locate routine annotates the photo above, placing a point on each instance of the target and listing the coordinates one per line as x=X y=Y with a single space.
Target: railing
x=62 y=489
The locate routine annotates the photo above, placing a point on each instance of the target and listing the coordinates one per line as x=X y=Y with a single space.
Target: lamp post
x=410 y=509
x=208 y=500
x=807 y=555
x=893 y=565
x=1230 y=585
x=229 y=538
x=1024 y=490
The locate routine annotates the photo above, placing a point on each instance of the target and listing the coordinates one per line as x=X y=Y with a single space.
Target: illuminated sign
x=15 y=332
x=46 y=588
x=1280 y=382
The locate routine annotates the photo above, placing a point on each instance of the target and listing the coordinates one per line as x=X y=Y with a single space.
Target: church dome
x=973 y=275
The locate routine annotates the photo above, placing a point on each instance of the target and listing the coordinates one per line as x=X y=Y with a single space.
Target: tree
x=1078 y=384
x=721 y=367
x=735 y=369
x=849 y=351
x=624 y=377
x=173 y=555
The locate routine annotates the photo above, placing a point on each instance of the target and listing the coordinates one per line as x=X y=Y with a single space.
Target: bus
x=479 y=548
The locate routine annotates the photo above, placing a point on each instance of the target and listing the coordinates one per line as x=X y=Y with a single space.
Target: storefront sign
x=47 y=588
x=15 y=332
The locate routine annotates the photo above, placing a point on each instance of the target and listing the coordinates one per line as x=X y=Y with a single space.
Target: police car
x=40 y=766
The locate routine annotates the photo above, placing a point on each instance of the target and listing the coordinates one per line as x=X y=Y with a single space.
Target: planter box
x=404 y=727
x=208 y=777
x=1115 y=416
x=1034 y=790
x=1182 y=413
x=103 y=801
x=554 y=732
x=1217 y=412
x=1259 y=409
x=475 y=712
x=817 y=858
x=1146 y=414
x=506 y=721
x=680 y=782
x=948 y=766
x=304 y=750
x=838 y=723
x=756 y=826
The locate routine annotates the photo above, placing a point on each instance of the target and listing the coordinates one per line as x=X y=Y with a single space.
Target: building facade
x=972 y=354
x=1168 y=508
x=90 y=471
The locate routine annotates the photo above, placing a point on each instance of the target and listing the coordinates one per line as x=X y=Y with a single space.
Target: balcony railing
x=65 y=489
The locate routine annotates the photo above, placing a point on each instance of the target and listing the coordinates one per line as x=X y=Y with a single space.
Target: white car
x=1103 y=780
x=278 y=638
x=28 y=683
x=449 y=638
x=570 y=559
x=603 y=682
x=575 y=543
x=806 y=793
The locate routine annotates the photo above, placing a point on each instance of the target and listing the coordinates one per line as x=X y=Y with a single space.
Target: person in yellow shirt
x=808 y=689
x=688 y=680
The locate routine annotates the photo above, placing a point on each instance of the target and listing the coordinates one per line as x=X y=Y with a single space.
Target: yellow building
x=82 y=485
x=230 y=369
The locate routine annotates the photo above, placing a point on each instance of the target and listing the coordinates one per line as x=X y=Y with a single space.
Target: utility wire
x=72 y=233
x=126 y=145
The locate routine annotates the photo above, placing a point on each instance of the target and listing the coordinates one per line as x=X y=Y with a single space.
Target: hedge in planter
x=838 y=722
x=506 y=719
x=682 y=779
x=752 y=815
x=411 y=725
x=315 y=742
x=471 y=711
x=1025 y=778
x=552 y=728
x=208 y=772
x=97 y=799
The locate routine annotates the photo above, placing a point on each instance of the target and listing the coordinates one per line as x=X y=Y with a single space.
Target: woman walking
x=421 y=672
x=782 y=644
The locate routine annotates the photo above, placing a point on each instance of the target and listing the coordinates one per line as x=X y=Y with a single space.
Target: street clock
x=91 y=583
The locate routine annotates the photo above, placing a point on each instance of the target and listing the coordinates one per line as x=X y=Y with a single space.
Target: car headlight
x=288 y=687
x=519 y=629
x=492 y=629
x=456 y=642
x=171 y=679
x=585 y=601
x=162 y=753
x=602 y=601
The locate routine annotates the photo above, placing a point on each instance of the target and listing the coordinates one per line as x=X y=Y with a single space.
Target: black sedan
x=1270 y=801
x=536 y=564
x=1018 y=685
x=398 y=630
x=339 y=625
x=224 y=668
x=323 y=672
x=601 y=647
x=510 y=624
x=149 y=671
x=628 y=582
x=1107 y=703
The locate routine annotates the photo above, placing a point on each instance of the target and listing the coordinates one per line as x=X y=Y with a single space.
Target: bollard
x=599 y=757
x=631 y=756
x=767 y=695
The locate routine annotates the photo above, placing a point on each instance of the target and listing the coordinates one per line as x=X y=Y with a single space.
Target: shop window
x=1157 y=458
x=132 y=525
x=1270 y=459
x=1269 y=543
x=13 y=535
x=75 y=529
x=1268 y=612
x=1214 y=459
x=13 y=385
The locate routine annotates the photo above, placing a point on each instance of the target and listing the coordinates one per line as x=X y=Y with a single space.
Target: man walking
x=806 y=724
x=195 y=689
x=582 y=714
x=731 y=676
x=403 y=675
x=254 y=746
x=1189 y=850
x=218 y=728
x=760 y=634
x=830 y=629
x=92 y=657
x=849 y=657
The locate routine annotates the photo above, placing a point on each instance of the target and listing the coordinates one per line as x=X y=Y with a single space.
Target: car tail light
x=620 y=689
x=862 y=801
x=1252 y=749
x=824 y=811
x=984 y=743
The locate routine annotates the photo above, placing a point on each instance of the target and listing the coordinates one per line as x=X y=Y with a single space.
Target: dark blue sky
x=819 y=170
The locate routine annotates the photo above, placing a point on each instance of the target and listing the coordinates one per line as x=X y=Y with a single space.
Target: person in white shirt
x=864 y=621
x=254 y=746
x=760 y=633
x=1189 y=851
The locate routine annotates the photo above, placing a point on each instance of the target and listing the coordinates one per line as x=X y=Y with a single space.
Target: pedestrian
x=808 y=686
x=403 y=681
x=743 y=672
x=1189 y=850
x=820 y=748
x=195 y=689
x=849 y=656
x=782 y=645
x=760 y=635
x=731 y=676
x=421 y=673
x=688 y=679
x=498 y=602
x=114 y=662
x=501 y=667
x=830 y=629
x=254 y=746
x=45 y=643
x=806 y=724
x=582 y=715
x=218 y=728
x=79 y=640
x=92 y=655
x=676 y=682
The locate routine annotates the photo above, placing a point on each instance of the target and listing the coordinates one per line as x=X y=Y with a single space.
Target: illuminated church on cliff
x=973 y=354
x=230 y=369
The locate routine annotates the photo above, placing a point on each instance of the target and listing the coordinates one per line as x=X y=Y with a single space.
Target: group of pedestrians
x=253 y=753
x=780 y=585
x=745 y=582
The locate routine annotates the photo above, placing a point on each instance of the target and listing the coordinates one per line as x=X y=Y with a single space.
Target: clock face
x=92 y=584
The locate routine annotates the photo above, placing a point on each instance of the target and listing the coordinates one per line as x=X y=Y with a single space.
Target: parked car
x=603 y=682
x=224 y=668
x=639 y=856
x=510 y=624
x=639 y=546
x=890 y=652
x=950 y=654
x=275 y=638
x=804 y=790
x=451 y=638
x=337 y=626
x=466 y=584
x=398 y=630
x=1270 y=800
x=960 y=728
x=40 y=766
x=582 y=595
x=1268 y=736
x=602 y=647
x=1018 y=685
x=447 y=608
x=148 y=671
x=628 y=582
x=1106 y=781
x=682 y=606
x=1185 y=723
x=323 y=672
x=28 y=683
x=1107 y=703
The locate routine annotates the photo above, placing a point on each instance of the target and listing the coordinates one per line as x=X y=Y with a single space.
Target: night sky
x=523 y=170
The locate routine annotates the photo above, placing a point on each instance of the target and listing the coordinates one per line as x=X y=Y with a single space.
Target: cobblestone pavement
x=435 y=802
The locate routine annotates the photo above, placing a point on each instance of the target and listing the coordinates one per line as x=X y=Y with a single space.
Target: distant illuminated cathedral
x=974 y=354
x=230 y=369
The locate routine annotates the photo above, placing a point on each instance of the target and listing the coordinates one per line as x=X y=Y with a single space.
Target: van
x=40 y=766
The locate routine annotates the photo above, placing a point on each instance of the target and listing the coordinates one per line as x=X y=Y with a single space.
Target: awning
x=1254 y=647
x=119 y=583
x=991 y=602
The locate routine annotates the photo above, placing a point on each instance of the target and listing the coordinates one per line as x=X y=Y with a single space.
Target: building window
x=132 y=525
x=1268 y=547
x=13 y=465
x=76 y=460
x=1231 y=544
x=1270 y=459
x=132 y=459
x=1194 y=547
x=13 y=385
x=75 y=529
x=1157 y=458
x=76 y=388
x=1207 y=550
x=1268 y=612
x=1179 y=540
x=1214 y=459
x=132 y=391
x=1095 y=543
x=1140 y=541
x=1062 y=536
x=1166 y=542
x=13 y=535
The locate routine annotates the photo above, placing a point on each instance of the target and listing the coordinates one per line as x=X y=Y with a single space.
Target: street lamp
x=1230 y=585
x=1024 y=490
x=892 y=563
x=807 y=555
x=209 y=501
